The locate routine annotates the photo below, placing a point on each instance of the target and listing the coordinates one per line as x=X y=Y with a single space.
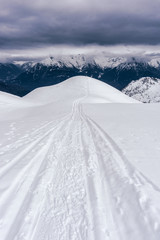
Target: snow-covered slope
x=146 y=90
x=93 y=90
x=9 y=101
x=155 y=62
x=79 y=164
x=8 y=98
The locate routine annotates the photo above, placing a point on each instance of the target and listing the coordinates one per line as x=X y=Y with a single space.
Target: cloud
x=144 y=52
x=32 y=24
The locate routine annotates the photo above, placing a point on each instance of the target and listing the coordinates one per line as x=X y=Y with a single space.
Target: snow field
x=67 y=179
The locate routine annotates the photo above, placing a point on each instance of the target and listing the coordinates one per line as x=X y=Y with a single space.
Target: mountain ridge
x=146 y=90
x=115 y=71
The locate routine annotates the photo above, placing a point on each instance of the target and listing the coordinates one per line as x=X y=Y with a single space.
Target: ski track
x=70 y=181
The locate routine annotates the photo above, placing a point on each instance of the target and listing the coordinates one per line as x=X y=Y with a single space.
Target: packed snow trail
x=70 y=181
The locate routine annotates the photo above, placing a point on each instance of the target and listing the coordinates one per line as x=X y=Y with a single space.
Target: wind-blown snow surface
x=76 y=163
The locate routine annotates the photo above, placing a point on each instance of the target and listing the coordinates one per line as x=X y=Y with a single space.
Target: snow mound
x=145 y=89
x=7 y=99
x=89 y=89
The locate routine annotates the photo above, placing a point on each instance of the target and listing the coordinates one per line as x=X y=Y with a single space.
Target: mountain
x=115 y=71
x=9 y=71
x=155 y=62
x=79 y=61
x=146 y=90
x=79 y=160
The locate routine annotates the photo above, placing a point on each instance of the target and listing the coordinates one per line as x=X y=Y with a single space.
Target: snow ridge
x=101 y=60
x=79 y=61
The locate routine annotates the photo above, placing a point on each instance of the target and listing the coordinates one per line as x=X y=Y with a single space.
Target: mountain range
x=20 y=78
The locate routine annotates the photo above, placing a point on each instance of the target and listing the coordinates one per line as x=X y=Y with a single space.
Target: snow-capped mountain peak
x=155 y=62
x=77 y=61
x=102 y=61
x=81 y=60
x=145 y=89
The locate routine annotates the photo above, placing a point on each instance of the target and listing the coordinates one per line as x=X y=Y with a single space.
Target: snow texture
x=145 y=89
x=63 y=176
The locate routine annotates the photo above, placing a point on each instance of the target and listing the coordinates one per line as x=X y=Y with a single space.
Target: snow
x=102 y=60
x=7 y=99
x=81 y=60
x=79 y=162
x=109 y=62
x=75 y=87
x=155 y=62
x=77 y=61
x=145 y=89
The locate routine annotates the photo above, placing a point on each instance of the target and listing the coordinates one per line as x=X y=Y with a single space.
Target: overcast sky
x=32 y=26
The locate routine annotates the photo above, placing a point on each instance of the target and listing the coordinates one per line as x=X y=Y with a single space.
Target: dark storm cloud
x=25 y=24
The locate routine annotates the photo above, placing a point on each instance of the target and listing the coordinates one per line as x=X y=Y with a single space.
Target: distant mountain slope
x=146 y=90
x=117 y=73
x=9 y=71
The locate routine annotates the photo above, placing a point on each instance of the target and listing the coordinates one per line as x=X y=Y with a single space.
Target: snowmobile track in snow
x=70 y=181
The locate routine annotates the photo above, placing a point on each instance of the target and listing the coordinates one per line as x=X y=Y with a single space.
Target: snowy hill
x=10 y=99
x=146 y=90
x=80 y=161
x=93 y=90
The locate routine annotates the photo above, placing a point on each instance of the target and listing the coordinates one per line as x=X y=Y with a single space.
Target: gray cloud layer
x=27 y=24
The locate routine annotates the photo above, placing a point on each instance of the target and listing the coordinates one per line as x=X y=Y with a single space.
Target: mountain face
x=116 y=71
x=9 y=71
x=146 y=90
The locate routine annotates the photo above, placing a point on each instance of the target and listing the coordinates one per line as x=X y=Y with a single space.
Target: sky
x=34 y=28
